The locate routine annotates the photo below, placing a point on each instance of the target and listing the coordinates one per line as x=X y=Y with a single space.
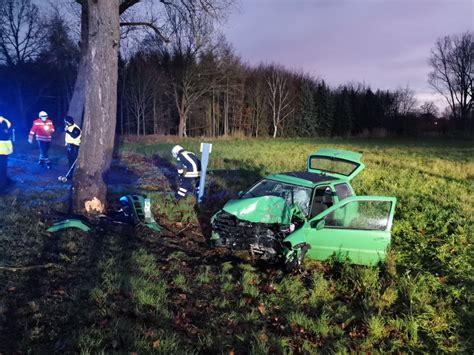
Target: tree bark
x=76 y=105
x=100 y=111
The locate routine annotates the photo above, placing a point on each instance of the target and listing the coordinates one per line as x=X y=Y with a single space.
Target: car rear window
x=343 y=191
x=335 y=166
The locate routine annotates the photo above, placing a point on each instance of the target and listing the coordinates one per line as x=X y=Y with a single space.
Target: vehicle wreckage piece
x=69 y=223
x=313 y=213
x=136 y=209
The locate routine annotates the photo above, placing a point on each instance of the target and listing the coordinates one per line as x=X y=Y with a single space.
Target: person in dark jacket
x=73 y=141
x=6 y=148
x=188 y=167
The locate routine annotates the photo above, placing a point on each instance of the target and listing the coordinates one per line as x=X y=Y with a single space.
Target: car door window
x=343 y=191
x=322 y=200
x=361 y=215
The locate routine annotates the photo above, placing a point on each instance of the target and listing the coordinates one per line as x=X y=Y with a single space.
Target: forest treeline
x=193 y=88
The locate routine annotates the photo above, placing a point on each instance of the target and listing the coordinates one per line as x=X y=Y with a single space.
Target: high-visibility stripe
x=190 y=160
x=43 y=139
x=9 y=124
x=182 y=189
x=6 y=147
x=71 y=140
x=192 y=174
x=181 y=193
x=180 y=171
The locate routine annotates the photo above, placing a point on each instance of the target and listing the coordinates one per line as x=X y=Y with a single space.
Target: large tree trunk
x=76 y=105
x=100 y=110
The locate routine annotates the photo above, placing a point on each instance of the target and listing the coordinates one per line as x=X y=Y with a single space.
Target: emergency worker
x=73 y=140
x=43 y=128
x=188 y=166
x=6 y=148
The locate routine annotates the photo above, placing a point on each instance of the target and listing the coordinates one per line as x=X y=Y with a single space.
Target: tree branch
x=147 y=24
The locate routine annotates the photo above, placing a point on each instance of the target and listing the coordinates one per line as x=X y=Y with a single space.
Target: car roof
x=302 y=178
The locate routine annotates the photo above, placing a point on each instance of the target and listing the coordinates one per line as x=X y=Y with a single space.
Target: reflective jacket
x=6 y=146
x=43 y=130
x=188 y=164
x=73 y=134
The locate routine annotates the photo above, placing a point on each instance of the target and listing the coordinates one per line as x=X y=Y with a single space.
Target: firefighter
x=189 y=171
x=43 y=128
x=6 y=148
x=73 y=141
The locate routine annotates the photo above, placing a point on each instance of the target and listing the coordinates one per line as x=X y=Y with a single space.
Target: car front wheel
x=295 y=257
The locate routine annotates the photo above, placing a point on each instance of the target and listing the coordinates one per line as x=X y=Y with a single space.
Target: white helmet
x=42 y=114
x=176 y=149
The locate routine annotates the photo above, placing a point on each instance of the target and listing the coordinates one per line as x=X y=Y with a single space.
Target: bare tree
x=405 y=101
x=141 y=91
x=22 y=39
x=278 y=98
x=181 y=58
x=21 y=34
x=452 y=61
x=429 y=109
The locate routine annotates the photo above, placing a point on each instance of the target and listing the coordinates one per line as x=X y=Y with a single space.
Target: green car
x=313 y=213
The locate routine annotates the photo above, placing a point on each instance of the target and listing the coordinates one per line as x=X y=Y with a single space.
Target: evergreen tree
x=324 y=110
x=342 y=114
x=308 y=125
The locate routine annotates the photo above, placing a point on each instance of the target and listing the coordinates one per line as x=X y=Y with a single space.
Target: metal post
x=206 y=149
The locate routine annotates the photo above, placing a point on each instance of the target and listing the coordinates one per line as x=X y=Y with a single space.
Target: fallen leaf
x=156 y=344
x=263 y=338
x=261 y=308
x=11 y=289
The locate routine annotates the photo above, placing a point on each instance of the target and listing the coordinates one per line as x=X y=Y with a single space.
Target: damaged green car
x=313 y=214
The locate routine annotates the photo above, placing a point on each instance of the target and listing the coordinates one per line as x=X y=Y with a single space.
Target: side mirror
x=318 y=224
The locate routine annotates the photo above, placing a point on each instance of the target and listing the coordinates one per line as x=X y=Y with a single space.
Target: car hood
x=265 y=209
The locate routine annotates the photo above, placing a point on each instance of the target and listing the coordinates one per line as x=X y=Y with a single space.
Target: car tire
x=296 y=262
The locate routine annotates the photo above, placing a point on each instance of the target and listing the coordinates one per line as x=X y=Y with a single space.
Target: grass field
x=126 y=290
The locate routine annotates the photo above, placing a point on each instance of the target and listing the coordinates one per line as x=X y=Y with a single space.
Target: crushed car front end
x=260 y=220
x=257 y=224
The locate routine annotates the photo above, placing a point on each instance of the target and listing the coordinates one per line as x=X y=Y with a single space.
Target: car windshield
x=294 y=195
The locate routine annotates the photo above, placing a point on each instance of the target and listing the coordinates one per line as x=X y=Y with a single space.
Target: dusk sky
x=384 y=43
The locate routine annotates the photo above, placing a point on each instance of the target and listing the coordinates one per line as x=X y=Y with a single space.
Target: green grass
x=141 y=292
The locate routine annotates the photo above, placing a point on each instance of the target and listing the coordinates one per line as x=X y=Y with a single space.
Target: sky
x=382 y=43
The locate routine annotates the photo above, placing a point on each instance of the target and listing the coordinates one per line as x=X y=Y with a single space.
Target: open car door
x=358 y=228
x=338 y=163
